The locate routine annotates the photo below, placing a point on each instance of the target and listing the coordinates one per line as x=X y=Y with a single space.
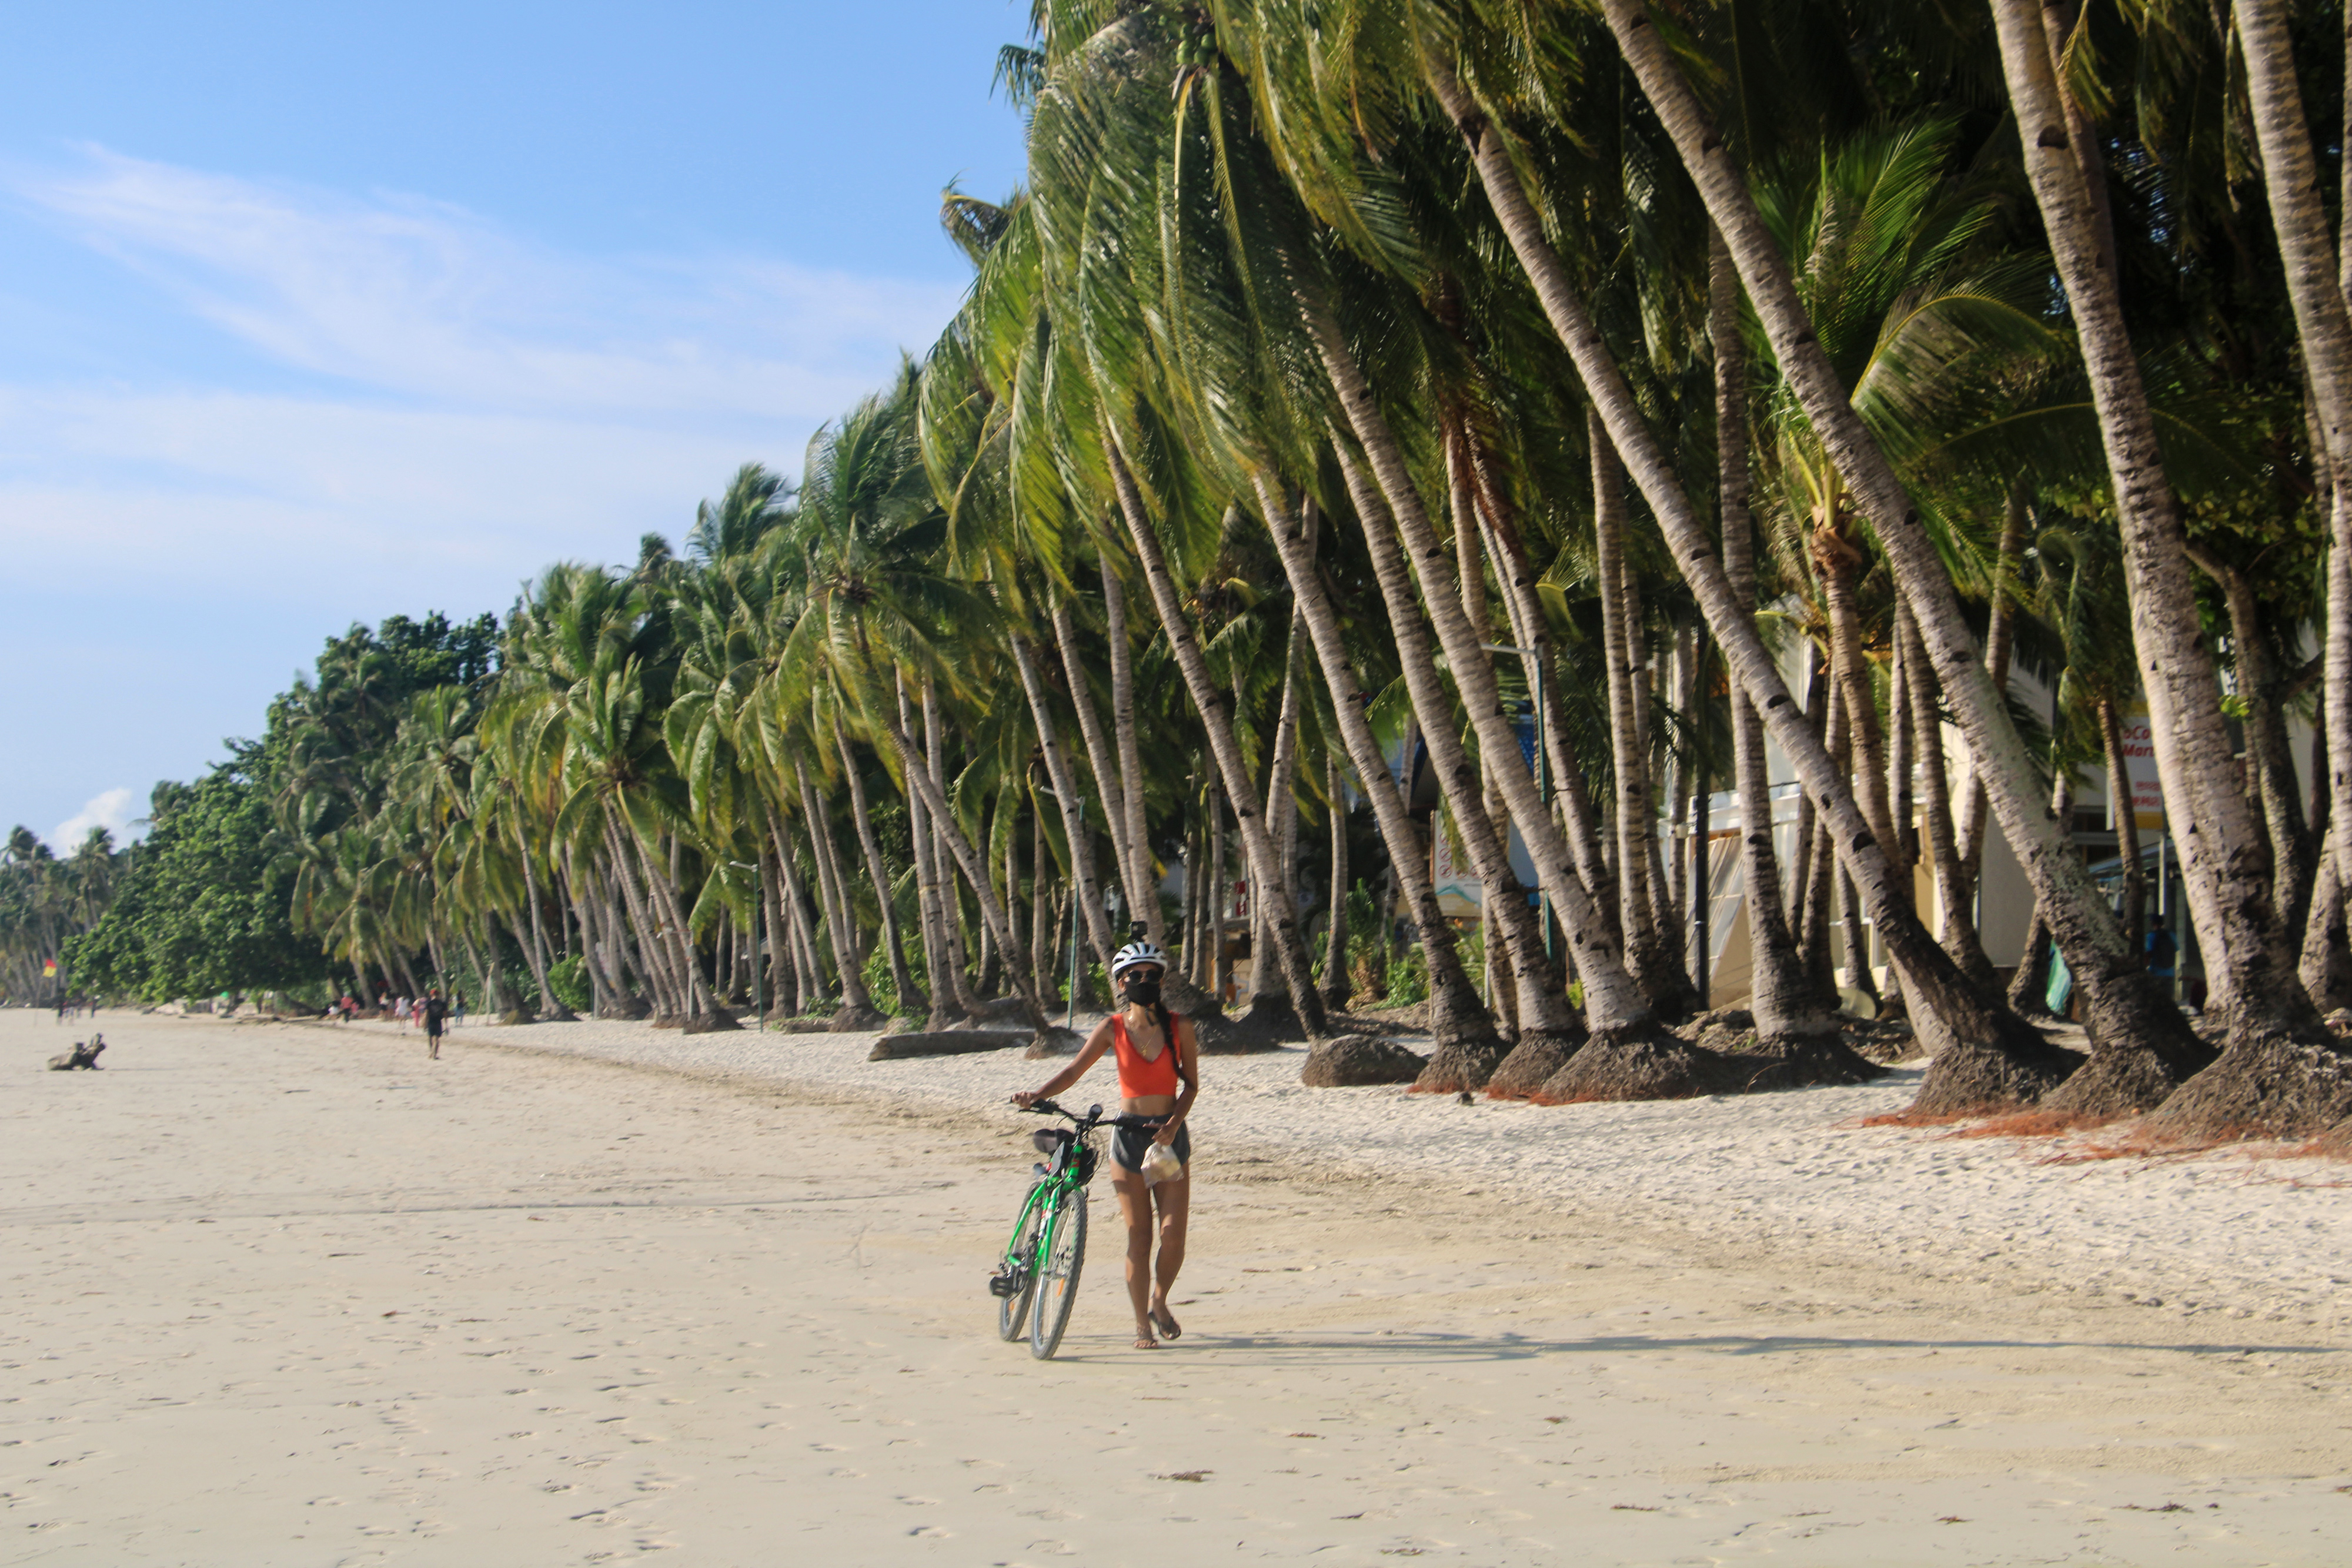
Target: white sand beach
x=281 y=1294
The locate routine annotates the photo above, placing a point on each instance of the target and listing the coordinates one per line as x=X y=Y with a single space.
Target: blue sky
x=311 y=315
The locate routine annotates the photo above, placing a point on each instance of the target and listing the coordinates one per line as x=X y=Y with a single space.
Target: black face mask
x=1143 y=993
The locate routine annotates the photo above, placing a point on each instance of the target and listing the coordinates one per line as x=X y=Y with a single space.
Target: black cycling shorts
x=1128 y=1144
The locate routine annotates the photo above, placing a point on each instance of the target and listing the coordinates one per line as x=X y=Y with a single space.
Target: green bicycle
x=1049 y=1237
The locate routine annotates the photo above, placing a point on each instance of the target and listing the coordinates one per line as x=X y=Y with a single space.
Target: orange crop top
x=1139 y=1075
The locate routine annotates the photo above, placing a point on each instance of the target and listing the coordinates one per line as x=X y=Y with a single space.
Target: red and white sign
x=2140 y=765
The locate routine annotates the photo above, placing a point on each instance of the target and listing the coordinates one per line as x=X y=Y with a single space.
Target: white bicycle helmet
x=1135 y=955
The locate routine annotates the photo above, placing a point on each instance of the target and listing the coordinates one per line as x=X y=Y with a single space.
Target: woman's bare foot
x=1166 y=1322
x=1143 y=1339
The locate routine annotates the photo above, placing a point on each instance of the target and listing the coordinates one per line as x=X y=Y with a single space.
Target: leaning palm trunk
x=2147 y=1046
x=1787 y=1007
x=2122 y=809
x=1999 y=636
x=551 y=1005
x=928 y=894
x=952 y=943
x=1065 y=794
x=601 y=989
x=2280 y=1074
x=1257 y=843
x=1629 y=729
x=1612 y=999
x=2267 y=755
x=670 y=1005
x=974 y=867
x=1180 y=991
x=1041 y=904
x=1336 y=984
x=700 y=1013
x=1954 y=890
x=910 y=995
x=2029 y=989
x=783 y=975
x=2316 y=275
x=1468 y=1046
x=803 y=941
x=857 y=1009
x=2326 y=963
x=1988 y=1057
x=1531 y=630
x=1840 y=567
x=1467 y=1042
x=1214 y=970
x=1282 y=822
x=1132 y=841
x=1548 y=1029
x=1110 y=779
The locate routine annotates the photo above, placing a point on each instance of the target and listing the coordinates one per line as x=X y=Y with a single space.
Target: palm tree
x=2145 y=1048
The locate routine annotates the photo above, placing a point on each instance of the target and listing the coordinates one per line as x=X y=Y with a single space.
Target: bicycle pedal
x=1005 y=1286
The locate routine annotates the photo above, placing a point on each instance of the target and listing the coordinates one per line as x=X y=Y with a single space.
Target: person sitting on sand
x=1156 y=1051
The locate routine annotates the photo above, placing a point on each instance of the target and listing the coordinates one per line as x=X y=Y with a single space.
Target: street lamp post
x=759 y=869
x=1531 y=660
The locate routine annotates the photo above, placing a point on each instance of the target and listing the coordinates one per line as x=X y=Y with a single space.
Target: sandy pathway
x=272 y=1296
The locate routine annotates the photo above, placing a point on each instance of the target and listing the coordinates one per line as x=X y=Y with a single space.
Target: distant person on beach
x=1157 y=1055
x=433 y=1011
x=457 y=1006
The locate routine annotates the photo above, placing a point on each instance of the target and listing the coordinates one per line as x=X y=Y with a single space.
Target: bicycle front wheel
x=1057 y=1286
x=1012 y=1310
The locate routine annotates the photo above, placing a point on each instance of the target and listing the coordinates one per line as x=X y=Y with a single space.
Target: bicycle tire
x=1057 y=1275
x=1013 y=1311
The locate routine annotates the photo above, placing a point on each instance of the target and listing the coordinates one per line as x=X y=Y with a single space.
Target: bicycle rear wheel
x=1057 y=1285
x=1012 y=1310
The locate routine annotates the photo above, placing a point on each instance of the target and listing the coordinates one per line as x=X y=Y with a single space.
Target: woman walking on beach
x=1158 y=1056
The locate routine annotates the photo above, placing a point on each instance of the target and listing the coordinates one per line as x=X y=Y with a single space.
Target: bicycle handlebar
x=1093 y=1118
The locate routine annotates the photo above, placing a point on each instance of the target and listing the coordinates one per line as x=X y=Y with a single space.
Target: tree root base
x=1643 y=1063
x=2115 y=1082
x=1530 y=1064
x=2267 y=1084
x=1461 y=1066
x=1970 y=1078
x=1798 y=1061
x=857 y=1020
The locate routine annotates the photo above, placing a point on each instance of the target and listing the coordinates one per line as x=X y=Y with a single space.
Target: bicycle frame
x=1073 y=1168
x=1045 y=1191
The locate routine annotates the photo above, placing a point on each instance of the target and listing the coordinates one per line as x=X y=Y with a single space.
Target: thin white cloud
x=411 y=295
x=109 y=809
x=271 y=498
x=405 y=406
x=493 y=405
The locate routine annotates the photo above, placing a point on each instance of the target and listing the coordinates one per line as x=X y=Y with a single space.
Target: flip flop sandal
x=1167 y=1323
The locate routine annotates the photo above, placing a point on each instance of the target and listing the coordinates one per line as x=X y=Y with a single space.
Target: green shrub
x=568 y=979
x=879 y=983
x=1471 y=946
x=1408 y=980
